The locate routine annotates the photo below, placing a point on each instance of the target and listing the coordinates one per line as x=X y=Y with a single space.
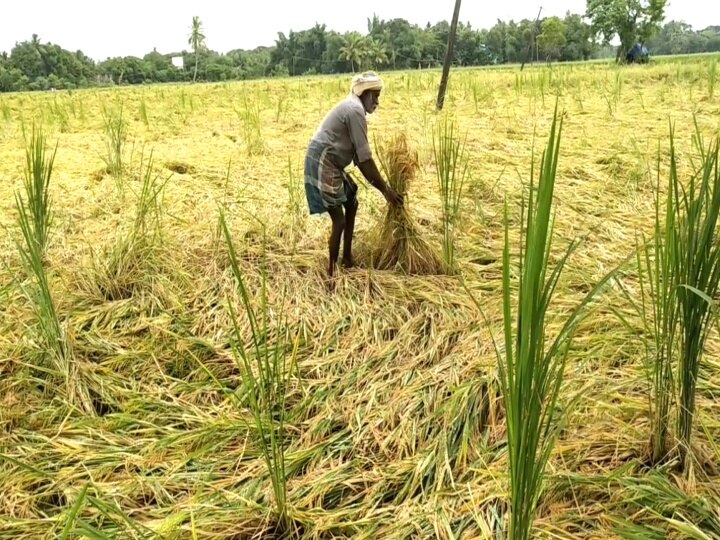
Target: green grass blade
x=73 y=514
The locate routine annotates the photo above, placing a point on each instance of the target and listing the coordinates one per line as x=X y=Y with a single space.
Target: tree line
x=387 y=44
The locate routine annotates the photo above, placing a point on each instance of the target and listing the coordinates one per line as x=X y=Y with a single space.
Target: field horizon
x=393 y=416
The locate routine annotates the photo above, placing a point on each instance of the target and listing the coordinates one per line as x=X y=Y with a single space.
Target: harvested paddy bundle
x=397 y=242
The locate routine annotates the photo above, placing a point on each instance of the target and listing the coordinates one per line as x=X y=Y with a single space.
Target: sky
x=135 y=27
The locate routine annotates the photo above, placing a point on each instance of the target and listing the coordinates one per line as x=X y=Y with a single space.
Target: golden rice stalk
x=398 y=244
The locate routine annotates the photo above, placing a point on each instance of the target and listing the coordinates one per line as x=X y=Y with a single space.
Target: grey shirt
x=344 y=130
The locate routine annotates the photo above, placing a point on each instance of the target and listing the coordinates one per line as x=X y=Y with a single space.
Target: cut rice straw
x=398 y=244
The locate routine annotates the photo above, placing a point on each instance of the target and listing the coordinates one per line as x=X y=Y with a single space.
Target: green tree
x=468 y=45
x=301 y=52
x=677 y=37
x=256 y=62
x=373 y=25
x=196 y=40
x=578 y=33
x=128 y=69
x=12 y=79
x=552 y=38
x=401 y=39
x=354 y=49
x=285 y=53
x=26 y=58
x=331 y=58
x=113 y=69
x=502 y=40
x=376 y=53
x=710 y=39
x=44 y=65
x=160 y=67
x=430 y=51
x=632 y=21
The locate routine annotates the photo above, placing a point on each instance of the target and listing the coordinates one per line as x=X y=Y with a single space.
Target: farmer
x=341 y=139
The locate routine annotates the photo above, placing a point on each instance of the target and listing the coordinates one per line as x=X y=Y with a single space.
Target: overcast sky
x=133 y=27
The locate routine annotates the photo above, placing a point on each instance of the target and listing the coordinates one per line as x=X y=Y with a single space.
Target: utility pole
x=448 y=56
x=532 y=39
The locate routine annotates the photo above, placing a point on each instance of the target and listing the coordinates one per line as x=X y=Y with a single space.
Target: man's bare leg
x=338 y=225
x=350 y=212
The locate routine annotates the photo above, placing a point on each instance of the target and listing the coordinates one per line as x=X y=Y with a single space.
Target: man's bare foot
x=348 y=262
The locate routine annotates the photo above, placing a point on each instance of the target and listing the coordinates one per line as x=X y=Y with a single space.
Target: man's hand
x=371 y=173
x=393 y=197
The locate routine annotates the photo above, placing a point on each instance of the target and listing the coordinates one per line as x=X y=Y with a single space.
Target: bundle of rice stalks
x=398 y=245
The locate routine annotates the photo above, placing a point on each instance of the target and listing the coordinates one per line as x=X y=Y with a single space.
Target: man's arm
x=357 y=126
x=373 y=176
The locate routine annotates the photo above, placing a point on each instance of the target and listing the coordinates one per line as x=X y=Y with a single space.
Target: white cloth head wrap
x=366 y=81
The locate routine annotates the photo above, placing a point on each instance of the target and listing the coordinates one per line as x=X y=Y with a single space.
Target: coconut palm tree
x=377 y=52
x=196 y=40
x=354 y=49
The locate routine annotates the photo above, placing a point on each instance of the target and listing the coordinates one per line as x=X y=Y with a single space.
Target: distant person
x=340 y=139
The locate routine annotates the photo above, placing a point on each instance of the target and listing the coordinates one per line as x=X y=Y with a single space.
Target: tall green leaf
x=531 y=370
